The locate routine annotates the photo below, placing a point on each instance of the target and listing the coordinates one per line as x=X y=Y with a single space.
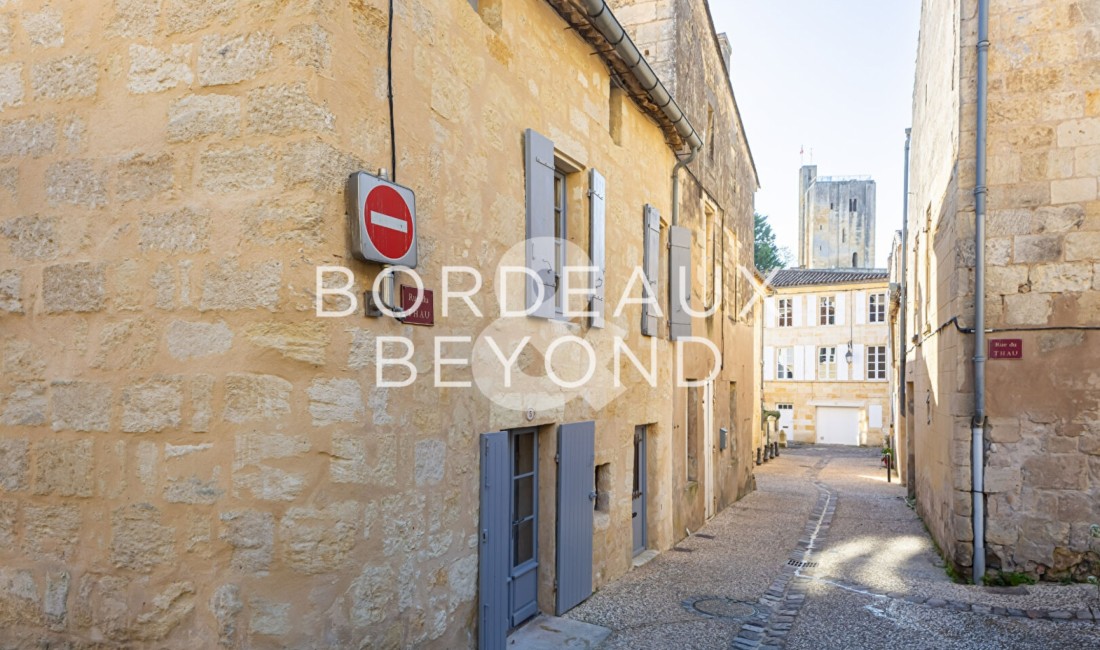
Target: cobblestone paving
x=826 y=554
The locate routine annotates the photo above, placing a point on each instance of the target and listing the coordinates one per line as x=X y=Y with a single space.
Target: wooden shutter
x=597 y=244
x=859 y=361
x=769 y=363
x=840 y=308
x=494 y=541
x=539 y=165
x=796 y=309
x=769 y=312
x=679 y=280
x=860 y=307
x=576 y=499
x=651 y=262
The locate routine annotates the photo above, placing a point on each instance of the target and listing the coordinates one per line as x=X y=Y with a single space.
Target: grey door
x=576 y=493
x=523 y=555
x=638 y=497
x=494 y=536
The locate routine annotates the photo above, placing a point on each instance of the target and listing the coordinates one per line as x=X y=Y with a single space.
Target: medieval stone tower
x=836 y=220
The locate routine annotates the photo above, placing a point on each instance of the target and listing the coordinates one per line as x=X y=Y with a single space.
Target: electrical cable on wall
x=1000 y=330
x=389 y=93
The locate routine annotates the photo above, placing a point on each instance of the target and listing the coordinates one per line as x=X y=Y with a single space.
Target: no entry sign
x=382 y=216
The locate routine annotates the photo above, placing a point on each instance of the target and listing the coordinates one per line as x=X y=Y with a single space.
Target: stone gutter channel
x=785 y=597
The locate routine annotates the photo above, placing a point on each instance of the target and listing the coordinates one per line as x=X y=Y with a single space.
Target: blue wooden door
x=638 y=497
x=576 y=497
x=523 y=574
x=495 y=540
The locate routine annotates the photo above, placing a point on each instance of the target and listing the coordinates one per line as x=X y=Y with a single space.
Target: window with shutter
x=876 y=310
x=545 y=222
x=827 y=311
x=876 y=362
x=597 y=198
x=786 y=311
x=679 y=265
x=784 y=368
x=826 y=363
x=651 y=259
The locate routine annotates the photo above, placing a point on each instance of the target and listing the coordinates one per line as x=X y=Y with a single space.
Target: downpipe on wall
x=977 y=439
x=604 y=21
x=903 y=326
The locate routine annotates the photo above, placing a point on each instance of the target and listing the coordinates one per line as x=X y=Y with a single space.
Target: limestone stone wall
x=807 y=394
x=678 y=37
x=831 y=233
x=1041 y=261
x=188 y=455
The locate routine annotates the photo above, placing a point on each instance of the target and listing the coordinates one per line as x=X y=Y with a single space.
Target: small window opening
x=603 y=488
x=615 y=113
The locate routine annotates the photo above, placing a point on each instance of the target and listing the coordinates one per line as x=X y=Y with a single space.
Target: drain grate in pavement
x=682 y=550
x=703 y=536
x=801 y=564
x=720 y=607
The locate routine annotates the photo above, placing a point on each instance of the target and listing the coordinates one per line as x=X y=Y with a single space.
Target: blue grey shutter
x=651 y=259
x=679 y=264
x=576 y=499
x=597 y=243
x=539 y=163
x=494 y=534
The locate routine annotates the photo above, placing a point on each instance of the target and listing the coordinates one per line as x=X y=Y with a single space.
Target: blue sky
x=833 y=77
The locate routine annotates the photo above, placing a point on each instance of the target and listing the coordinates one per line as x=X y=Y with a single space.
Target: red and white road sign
x=383 y=220
x=389 y=222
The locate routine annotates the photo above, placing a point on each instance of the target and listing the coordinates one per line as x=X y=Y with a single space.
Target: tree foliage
x=768 y=255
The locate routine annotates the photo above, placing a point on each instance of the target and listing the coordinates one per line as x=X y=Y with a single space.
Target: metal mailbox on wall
x=382 y=217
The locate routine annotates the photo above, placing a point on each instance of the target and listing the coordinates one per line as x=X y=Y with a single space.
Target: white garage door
x=837 y=426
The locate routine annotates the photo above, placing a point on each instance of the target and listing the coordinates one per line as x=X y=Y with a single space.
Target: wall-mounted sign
x=1006 y=349
x=424 y=314
x=382 y=216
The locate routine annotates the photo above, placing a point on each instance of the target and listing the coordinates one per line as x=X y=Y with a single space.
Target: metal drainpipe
x=605 y=22
x=903 y=329
x=977 y=441
x=680 y=164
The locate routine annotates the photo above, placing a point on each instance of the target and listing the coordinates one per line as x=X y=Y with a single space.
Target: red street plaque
x=425 y=313
x=1006 y=348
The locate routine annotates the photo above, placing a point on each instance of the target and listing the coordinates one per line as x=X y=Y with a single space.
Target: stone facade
x=902 y=443
x=1043 y=226
x=189 y=456
x=836 y=221
x=796 y=381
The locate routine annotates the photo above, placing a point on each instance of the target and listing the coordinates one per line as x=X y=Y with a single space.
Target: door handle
x=592 y=496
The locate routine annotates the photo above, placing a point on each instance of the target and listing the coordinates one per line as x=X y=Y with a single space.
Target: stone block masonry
x=1044 y=226
x=167 y=442
x=189 y=457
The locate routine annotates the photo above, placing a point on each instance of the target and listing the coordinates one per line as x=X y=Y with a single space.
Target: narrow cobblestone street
x=826 y=554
